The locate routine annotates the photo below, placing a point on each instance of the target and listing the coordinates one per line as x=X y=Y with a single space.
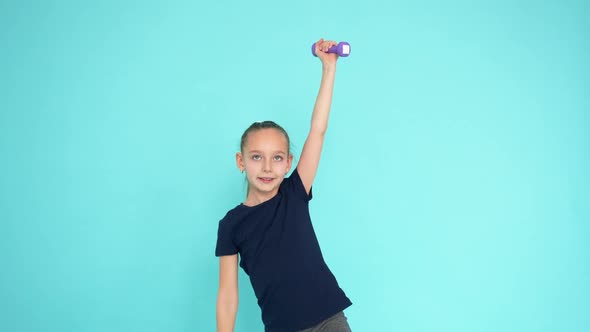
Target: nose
x=267 y=167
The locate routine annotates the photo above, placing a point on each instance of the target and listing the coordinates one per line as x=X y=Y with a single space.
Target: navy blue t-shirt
x=280 y=253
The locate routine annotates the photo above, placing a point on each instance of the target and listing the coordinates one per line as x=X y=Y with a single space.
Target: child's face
x=266 y=160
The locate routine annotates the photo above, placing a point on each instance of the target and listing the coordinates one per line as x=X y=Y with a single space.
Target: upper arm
x=228 y=275
x=312 y=149
x=310 y=158
x=227 y=298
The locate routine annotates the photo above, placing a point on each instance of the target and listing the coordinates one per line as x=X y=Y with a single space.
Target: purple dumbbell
x=342 y=48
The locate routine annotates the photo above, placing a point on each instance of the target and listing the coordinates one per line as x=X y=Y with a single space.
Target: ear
x=240 y=161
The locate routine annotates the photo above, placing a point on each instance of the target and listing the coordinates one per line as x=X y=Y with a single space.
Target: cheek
x=283 y=165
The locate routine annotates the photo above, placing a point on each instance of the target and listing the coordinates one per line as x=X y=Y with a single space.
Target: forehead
x=267 y=139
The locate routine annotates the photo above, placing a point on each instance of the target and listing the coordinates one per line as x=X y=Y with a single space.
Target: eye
x=256 y=157
x=278 y=158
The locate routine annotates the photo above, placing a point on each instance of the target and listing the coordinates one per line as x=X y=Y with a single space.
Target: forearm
x=321 y=110
x=227 y=309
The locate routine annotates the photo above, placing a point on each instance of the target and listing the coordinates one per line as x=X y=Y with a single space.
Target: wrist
x=329 y=67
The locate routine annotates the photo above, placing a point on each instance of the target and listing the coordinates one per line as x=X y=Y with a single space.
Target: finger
x=328 y=44
x=318 y=45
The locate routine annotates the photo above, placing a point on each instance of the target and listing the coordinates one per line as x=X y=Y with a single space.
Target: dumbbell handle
x=342 y=49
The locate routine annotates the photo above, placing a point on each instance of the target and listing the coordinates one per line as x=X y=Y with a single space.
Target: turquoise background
x=453 y=192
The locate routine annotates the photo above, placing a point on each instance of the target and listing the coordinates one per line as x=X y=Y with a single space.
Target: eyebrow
x=277 y=152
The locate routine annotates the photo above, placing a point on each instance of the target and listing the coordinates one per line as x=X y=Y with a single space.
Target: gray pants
x=336 y=323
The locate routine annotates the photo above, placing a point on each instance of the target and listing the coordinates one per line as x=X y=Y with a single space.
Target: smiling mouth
x=266 y=180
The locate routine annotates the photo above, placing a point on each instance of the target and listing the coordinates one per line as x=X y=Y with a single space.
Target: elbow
x=227 y=303
x=318 y=130
x=227 y=309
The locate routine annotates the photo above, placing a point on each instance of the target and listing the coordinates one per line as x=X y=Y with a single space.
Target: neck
x=254 y=198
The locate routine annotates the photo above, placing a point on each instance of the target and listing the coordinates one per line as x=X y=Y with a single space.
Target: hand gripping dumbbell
x=342 y=49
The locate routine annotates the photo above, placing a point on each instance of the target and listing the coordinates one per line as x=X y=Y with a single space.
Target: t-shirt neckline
x=260 y=204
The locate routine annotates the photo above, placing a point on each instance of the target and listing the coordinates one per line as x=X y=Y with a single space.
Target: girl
x=272 y=229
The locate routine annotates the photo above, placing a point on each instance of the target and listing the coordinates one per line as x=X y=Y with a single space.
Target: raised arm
x=312 y=149
x=227 y=297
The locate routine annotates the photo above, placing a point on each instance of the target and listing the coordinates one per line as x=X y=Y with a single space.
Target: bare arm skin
x=312 y=149
x=227 y=296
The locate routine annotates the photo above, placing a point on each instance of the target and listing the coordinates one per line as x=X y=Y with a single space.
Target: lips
x=266 y=180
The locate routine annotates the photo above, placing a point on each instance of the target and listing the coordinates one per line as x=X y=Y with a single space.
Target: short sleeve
x=296 y=187
x=225 y=244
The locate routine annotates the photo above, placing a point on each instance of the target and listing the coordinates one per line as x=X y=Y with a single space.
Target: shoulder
x=231 y=216
x=294 y=185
